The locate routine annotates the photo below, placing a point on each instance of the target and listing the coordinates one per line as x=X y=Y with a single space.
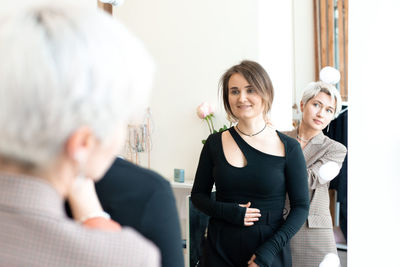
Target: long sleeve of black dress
x=203 y=184
x=290 y=177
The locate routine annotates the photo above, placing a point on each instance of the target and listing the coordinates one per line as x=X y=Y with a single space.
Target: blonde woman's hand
x=251 y=215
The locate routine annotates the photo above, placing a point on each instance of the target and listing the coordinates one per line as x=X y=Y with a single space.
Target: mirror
x=193 y=43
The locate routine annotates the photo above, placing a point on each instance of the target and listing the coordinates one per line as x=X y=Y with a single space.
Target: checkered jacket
x=34 y=231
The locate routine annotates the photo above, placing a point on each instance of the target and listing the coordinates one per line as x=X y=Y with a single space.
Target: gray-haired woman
x=69 y=79
x=320 y=103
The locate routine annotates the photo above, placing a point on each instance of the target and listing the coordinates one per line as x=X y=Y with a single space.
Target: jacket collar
x=318 y=139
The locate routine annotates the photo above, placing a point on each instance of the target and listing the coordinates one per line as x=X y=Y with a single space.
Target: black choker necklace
x=251 y=135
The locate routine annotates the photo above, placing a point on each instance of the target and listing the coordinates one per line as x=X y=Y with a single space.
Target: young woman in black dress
x=253 y=167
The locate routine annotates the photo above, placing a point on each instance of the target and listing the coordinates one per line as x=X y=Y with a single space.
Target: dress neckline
x=236 y=136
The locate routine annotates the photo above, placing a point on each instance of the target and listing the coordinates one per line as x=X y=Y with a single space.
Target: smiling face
x=318 y=112
x=244 y=100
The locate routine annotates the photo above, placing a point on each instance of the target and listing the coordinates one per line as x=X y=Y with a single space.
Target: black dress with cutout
x=264 y=181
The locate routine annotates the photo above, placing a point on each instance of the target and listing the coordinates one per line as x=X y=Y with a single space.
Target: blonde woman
x=252 y=166
x=320 y=103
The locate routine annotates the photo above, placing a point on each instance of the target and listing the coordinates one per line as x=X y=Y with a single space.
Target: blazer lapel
x=313 y=146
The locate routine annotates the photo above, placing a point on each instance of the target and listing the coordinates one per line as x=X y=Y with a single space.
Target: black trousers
x=229 y=245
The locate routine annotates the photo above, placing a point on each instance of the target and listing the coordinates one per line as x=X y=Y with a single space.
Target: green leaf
x=215 y=131
x=203 y=141
x=225 y=127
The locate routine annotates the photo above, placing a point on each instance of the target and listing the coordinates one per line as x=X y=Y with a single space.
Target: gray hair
x=63 y=67
x=314 y=88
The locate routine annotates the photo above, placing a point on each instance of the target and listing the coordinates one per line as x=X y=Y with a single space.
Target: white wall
x=374 y=133
x=304 y=56
x=276 y=55
x=193 y=43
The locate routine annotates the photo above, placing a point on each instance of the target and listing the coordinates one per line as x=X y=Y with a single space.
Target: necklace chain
x=251 y=135
x=301 y=139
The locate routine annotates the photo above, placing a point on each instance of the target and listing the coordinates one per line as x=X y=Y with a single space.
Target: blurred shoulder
x=123 y=171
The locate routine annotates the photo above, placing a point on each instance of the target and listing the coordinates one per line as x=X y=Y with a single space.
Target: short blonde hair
x=314 y=88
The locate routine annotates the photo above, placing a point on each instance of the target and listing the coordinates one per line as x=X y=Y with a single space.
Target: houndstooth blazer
x=319 y=150
x=34 y=231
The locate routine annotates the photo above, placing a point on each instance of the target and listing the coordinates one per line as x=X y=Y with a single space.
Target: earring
x=327 y=130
